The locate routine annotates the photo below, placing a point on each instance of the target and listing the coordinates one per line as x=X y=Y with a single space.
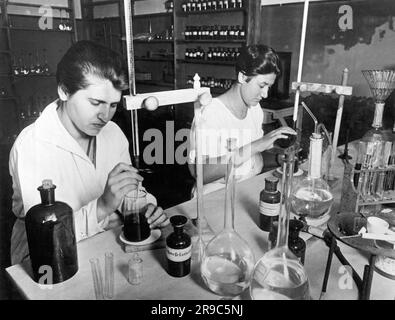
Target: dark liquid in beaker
x=285 y=143
x=136 y=227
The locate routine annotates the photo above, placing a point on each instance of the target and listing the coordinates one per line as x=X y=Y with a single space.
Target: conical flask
x=381 y=84
x=228 y=261
x=279 y=275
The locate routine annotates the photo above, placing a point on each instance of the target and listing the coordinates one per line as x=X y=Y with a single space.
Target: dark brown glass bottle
x=51 y=238
x=269 y=204
x=178 y=248
x=295 y=243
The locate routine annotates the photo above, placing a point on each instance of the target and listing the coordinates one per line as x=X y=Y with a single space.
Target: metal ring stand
x=334 y=232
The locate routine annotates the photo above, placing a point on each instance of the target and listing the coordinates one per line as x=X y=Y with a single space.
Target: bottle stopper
x=47 y=184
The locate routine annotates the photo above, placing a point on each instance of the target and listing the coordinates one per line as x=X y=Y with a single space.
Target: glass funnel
x=381 y=84
x=279 y=275
x=228 y=261
x=311 y=196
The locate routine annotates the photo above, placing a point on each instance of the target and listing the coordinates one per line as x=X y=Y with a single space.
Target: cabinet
x=208 y=35
x=31 y=46
x=154 y=51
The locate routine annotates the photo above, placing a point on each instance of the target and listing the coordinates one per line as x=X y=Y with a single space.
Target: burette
x=131 y=73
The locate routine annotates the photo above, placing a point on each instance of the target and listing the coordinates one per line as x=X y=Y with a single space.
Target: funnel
x=381 y=83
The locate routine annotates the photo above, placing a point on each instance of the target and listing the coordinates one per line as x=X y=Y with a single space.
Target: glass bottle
x=296 y=244
x=178 y=248
x=279 y=275
x=312 y=197
x=51 y=236
x=228 y=261
x=269 y=204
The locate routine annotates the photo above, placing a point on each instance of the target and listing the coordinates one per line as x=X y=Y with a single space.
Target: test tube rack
x=367 y=187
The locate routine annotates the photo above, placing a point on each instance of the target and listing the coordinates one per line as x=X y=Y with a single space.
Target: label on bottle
x=269 y=209
x=178 y=255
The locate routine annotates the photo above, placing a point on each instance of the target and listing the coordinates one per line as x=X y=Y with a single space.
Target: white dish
x=155 y=235
x=296 y=174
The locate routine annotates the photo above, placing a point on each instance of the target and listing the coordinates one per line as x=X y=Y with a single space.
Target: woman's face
x=90 y=109
x=256 y=88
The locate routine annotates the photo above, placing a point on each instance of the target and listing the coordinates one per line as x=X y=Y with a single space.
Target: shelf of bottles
x=211 y=6
x=214 y=55
x=219 y=85
x=31 y=64
x=215 y=32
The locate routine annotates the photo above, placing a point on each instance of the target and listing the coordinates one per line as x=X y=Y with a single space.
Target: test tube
x=97 y=278
x=135 y=275
x=109 y=275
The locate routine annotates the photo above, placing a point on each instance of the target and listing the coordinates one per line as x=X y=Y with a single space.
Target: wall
x=25 y=10
x=370 y=44
x=140 y=7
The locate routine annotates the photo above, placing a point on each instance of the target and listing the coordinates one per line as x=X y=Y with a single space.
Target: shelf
x=152 y=41
x=31 y=5
x=187 y=13
x=152 y=59
x=47 y=30
x=34 y=76
x=155 y=83
x=154 y=15
x=147 y=41
x=8 y=98
x=101 y=3
x=210 y=41
x=224 y=63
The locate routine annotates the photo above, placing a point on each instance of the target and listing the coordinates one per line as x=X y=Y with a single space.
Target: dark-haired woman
x=238 y=114
x=75 y=143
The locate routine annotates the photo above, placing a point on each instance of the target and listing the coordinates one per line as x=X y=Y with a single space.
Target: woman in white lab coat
x=75 y=143
x=238 y=114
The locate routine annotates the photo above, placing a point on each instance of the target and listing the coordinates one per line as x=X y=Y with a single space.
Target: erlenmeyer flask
x=228 y=261
x=279 y=275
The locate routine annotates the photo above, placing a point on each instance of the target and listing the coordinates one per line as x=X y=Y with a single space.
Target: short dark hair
x=257 y=59
x=86 y=57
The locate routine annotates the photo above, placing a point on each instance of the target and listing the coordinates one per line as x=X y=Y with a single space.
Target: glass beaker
x=279 y=275
x=228 y=261
x=134 y=206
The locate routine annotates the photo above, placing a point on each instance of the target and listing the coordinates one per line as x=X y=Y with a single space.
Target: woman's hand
x=156 y=217
x=121 y=180
x=267 y=141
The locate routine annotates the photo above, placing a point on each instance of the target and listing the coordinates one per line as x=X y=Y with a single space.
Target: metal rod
x=301 y=53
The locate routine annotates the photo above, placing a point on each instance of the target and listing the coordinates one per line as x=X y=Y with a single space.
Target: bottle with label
x=269 y=204
x=178 y=248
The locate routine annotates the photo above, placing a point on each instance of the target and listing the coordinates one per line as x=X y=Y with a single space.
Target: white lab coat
x=45 y=150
